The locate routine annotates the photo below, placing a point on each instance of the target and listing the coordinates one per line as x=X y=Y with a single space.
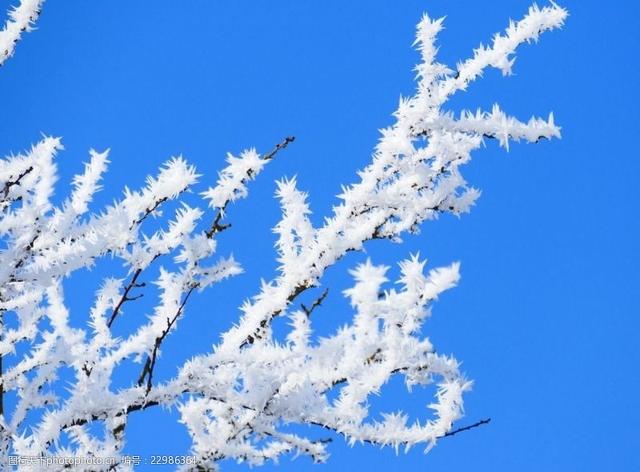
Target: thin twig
x=149 y=211
x=11 y=183
x=316 y=303
x=466 y=428
x=147 y=370
x=125 y=296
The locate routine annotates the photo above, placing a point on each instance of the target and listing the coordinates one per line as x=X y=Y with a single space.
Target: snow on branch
x=21 y=19
x=236 y=400
x=500 y=53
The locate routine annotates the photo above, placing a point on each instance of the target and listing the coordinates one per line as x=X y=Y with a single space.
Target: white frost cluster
x=238 y=400
x=21 y=19
x=232 y=179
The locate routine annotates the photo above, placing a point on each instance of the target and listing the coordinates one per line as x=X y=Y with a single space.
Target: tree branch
x=466 y=428
x=316 y=303
x=125 y=296
x=147 y=370
x=7 y=186
x=216 y=226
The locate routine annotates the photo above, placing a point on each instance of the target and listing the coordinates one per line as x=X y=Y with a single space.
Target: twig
x=125 y=296
x=147 y=370
x=316 y=303
x=11 y=183
x=216 y=226
x=149 y=211
x=466 y=428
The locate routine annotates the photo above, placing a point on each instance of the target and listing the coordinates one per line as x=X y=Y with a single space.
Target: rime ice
x=235 y=399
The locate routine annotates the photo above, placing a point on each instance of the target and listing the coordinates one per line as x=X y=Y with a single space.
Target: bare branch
x=316 y=303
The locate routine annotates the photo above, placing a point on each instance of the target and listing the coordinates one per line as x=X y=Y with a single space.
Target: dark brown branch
x=148 y=211
x=316 y=303
x=147 y=370
x=125 y=296
x=7 y=186
x=377 y=443
x=270 y=155
x=466 y=428
x=216 y=226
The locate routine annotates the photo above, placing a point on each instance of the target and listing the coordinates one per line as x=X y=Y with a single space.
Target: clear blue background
x=545 y=319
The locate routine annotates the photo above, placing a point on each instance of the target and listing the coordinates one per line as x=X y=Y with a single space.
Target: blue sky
x=545 y=319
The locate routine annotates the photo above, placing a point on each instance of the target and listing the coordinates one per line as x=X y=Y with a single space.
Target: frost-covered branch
x=21 y=19
x=409 y=180
x=236 y=400
x=500 y=54
x=232 y=181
